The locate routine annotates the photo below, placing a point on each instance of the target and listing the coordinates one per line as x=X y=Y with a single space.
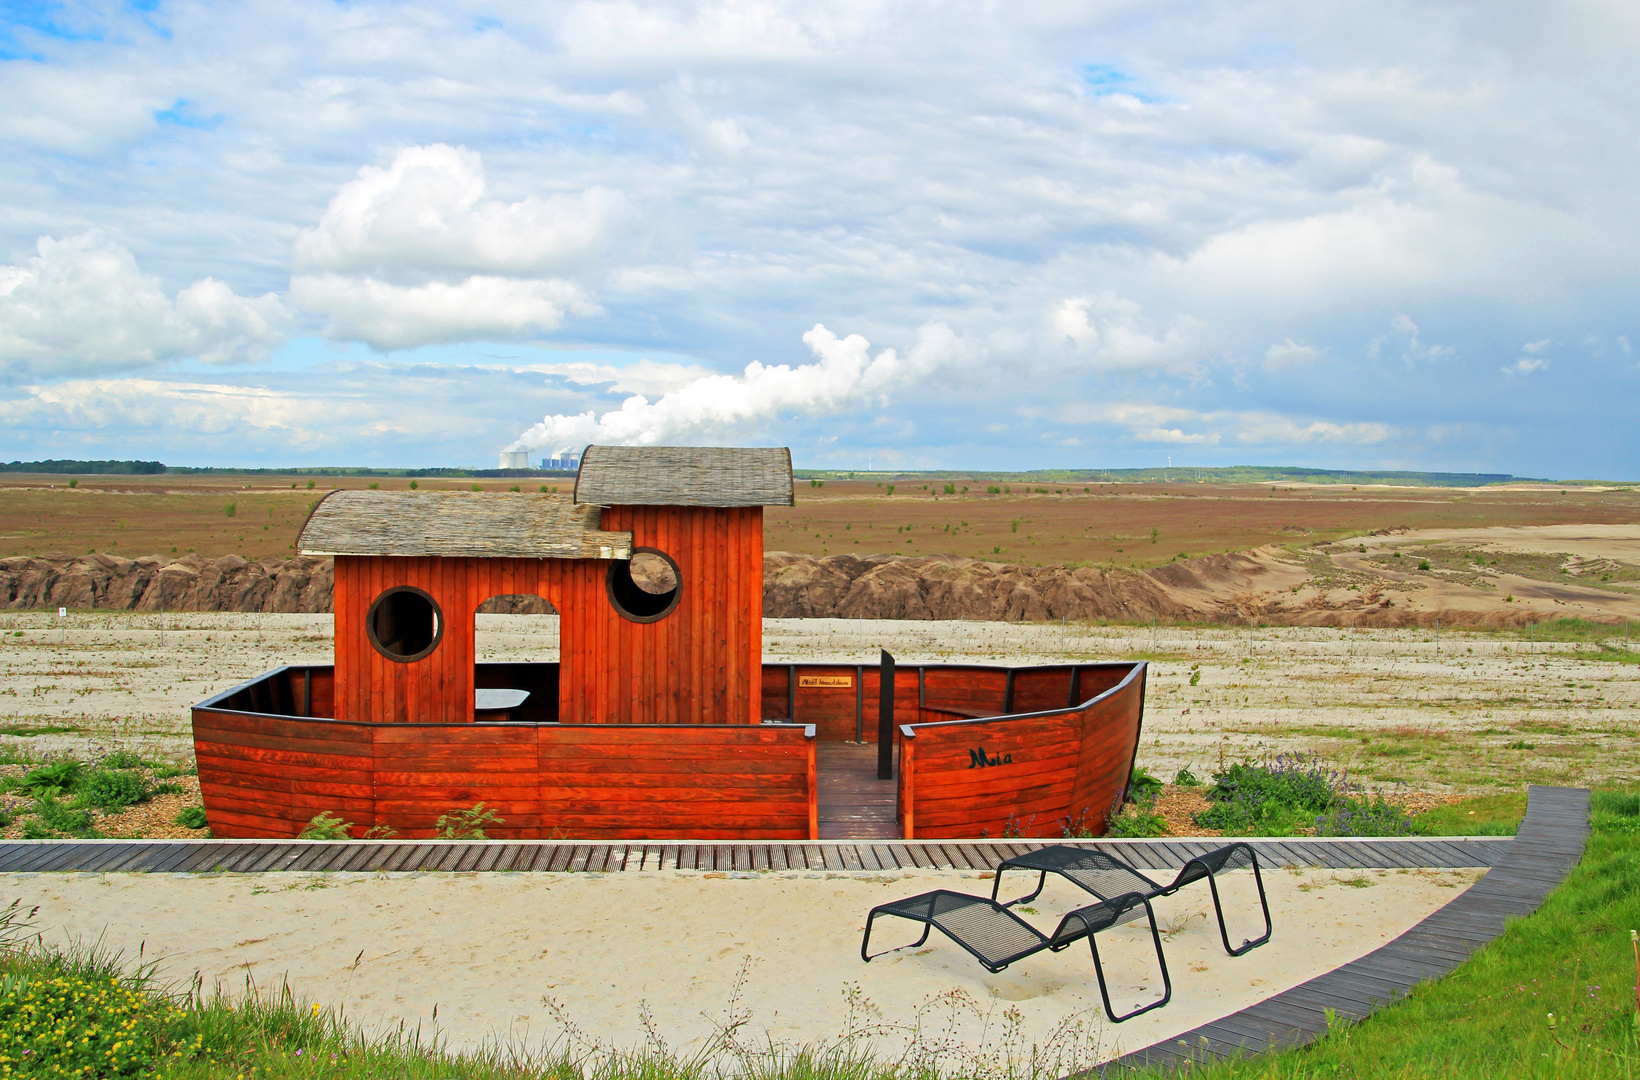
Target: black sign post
x=885 y=719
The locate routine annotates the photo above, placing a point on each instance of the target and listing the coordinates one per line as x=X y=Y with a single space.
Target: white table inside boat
x=493 y=706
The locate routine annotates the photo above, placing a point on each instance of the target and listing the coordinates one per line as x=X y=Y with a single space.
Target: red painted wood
x=1068 y=767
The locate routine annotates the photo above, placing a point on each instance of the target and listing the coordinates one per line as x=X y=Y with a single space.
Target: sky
x=902 y=235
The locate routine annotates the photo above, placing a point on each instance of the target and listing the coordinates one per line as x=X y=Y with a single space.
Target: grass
x=1485 y=815
x=1491 y=1018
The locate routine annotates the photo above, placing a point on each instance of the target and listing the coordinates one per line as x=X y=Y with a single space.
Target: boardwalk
x=854 y=804
x=1549 y=844
x=568 y=856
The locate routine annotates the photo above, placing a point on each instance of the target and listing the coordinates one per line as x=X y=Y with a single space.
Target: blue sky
x=911 y=235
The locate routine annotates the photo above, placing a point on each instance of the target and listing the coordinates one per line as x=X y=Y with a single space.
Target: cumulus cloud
x=428 y=213
x=1110 y=333
x=845 y=375
x=388 y=316
x=81 y=304
x=1289 y=354
x=418 y=253
x=1403 y=341
x=1531 y=359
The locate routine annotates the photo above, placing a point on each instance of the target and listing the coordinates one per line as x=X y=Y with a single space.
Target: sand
x=515 y=957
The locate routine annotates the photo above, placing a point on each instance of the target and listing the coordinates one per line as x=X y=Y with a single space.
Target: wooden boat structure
x=660 y=720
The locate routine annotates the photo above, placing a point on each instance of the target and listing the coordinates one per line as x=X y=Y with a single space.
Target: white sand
x=489 y=950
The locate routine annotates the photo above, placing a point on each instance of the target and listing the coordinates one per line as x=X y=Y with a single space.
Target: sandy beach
x=573 y=960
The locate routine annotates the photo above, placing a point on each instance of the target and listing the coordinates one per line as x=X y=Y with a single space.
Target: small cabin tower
x=654 y=564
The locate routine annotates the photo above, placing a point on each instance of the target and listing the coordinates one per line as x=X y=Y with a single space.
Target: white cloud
x=1289 y=354
x=416 y=254
x=1403 y=341
x=388 y=316
x=846 y=376
x=82 y=305
x=1150 y=423
x=1531 y=360
x=1110 y=333
x=427 y=215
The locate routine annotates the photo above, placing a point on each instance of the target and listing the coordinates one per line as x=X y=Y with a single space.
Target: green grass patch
x=1492 y=1017
x=1484 y=815
x=26 y=730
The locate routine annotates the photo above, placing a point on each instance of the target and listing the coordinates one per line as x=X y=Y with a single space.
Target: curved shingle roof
x=459 y=524
x=685 y=476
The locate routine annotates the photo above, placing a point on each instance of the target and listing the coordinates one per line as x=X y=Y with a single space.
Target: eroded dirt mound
x=1385 y=579
x=153 y=583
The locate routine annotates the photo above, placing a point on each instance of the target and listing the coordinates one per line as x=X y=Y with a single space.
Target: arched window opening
x=404 y=624
x=646 y=587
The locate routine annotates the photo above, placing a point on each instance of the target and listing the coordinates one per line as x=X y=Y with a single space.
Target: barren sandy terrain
x=1465 y=711
x=516 y=957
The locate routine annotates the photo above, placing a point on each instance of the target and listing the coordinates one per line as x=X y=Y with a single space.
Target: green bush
x=1364 y=817
x=191 y=817
x=52 y=780
x=1274 y=798
x=54 y=819
x=113 y=789
x=1185 y=778
x=125 y=759
x=1137 y=821
x=1142 y=788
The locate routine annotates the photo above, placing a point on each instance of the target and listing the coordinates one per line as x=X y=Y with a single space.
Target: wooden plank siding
x=696 y=666
x=268 y=776
x=1027 y=775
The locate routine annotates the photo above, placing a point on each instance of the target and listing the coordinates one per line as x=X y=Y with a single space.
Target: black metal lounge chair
x=996 y=937
x=1106 y=876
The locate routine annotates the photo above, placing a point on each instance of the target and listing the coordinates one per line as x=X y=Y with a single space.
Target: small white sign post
x=62 y=617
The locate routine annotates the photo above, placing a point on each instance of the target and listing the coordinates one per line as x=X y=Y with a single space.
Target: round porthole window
x=404 y=624
x=646 y=587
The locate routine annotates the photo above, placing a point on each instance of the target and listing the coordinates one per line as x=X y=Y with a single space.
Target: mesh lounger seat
x=996 y=937
x=1106 y=876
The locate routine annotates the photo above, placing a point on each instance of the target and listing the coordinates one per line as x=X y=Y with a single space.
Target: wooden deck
x=854 y=804
x=1549 y=844
x=256 y=856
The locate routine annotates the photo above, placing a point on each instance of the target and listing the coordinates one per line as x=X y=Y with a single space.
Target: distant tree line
x=110 y=468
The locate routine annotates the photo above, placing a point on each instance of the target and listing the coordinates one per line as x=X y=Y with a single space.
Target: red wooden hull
x=1052 y=746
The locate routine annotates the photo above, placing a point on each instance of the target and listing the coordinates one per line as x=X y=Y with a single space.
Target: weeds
x=466 y=824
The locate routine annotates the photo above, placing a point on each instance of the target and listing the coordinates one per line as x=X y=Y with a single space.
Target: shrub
x=1136 y=821
x=466 y=824
x=114 y=789
x=124 y=759
x=1185 y=778
x=191 y=817
x=326 y=827
x=1142 y=787
x=414 y=484
x=1271 y=797
x=231 y=509
x=52 y=780
x=53 y=818
x=1423 y=564
x=1364 y=817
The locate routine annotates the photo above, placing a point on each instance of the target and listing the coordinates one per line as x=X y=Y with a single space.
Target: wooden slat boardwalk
x=1548 y=846
x=570 y=856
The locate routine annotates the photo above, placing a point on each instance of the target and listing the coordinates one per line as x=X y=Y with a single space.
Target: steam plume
x=844 y=376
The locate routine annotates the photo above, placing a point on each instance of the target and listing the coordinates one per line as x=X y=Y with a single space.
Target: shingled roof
x=685 y=476
x=459 y=524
